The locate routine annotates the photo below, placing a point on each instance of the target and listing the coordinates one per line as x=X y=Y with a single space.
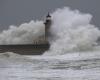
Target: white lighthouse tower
x=47 y=26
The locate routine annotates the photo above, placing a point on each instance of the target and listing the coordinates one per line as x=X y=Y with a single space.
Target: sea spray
x=72 y=32
x=26 y=33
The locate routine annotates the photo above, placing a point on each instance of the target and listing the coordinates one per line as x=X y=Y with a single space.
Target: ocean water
x=72 y=66
x=74 y=52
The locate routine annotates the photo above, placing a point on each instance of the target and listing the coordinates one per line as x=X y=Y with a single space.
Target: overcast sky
x=15 y=12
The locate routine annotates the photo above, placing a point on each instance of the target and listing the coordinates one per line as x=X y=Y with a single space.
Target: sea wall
x=26 y=49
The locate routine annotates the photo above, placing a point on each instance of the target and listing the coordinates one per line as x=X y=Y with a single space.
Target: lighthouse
x=47 y=26
x=43 y=39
